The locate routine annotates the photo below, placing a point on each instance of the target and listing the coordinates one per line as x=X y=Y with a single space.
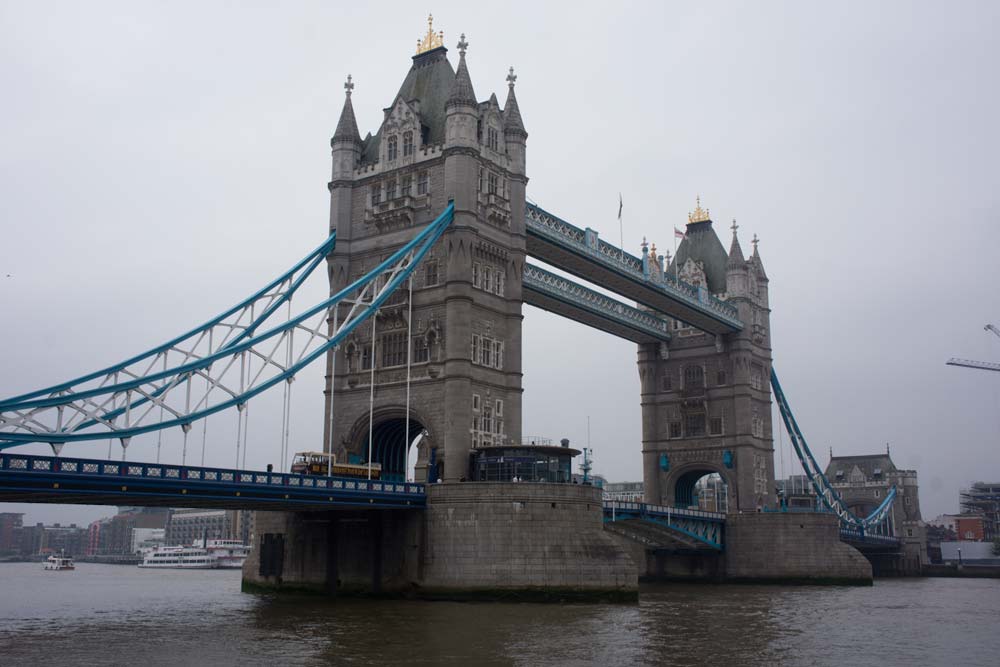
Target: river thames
x=121 y=615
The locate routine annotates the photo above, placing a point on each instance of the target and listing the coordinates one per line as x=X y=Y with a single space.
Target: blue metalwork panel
x=855 y=535
x=706 y=527
x=585 y=243
x=649 y=327
x=26 y=478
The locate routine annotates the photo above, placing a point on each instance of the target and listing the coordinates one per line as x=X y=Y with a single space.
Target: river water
x=121 y=615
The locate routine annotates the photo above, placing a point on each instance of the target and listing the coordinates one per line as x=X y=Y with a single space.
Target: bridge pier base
x=474 y=540
x=791 y=547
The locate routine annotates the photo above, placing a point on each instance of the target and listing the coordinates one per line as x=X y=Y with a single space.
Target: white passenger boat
x=60 y=562
x=209 y=555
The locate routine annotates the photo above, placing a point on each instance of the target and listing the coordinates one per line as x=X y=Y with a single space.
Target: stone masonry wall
x=791 y=547
x=500 y=539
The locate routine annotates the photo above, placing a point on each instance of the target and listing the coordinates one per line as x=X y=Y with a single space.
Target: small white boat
x=60 y=562
x=210 y=555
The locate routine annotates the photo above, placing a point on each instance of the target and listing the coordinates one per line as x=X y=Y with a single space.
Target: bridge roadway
x=49 y=479
x=581 y=253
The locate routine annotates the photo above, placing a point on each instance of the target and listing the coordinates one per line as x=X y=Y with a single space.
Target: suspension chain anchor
x=186 y=428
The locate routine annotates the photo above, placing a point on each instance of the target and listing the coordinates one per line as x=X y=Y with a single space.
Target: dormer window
x=877 y=472
x=392 y=147
x=407 y=143
x=840 y=474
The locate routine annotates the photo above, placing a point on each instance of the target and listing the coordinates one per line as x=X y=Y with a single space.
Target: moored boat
x=209 y=555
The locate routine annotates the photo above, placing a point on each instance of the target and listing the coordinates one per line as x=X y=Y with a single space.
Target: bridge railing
x=587 y=242
x=857 y=535
x=664 y=510
x=126 y=470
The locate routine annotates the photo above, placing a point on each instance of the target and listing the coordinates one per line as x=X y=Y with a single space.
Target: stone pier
x=474 y=540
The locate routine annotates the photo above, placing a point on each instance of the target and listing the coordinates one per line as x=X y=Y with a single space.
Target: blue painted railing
x=705 y=527
x=74 y=476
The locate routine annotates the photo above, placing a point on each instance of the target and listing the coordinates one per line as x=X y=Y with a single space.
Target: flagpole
x=621 y=229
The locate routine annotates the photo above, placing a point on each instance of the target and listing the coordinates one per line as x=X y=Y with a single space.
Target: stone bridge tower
x=706 y=400
x=436 y=143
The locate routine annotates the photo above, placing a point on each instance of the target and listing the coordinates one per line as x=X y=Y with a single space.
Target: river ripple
x=119 y=615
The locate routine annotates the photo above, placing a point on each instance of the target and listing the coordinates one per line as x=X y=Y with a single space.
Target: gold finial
x=653 y=248
x=700 y=214
x=430 y=41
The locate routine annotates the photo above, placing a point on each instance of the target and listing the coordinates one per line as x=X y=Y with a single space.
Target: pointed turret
x=461 y=92
x=736 y=259
x=461 y=108
x=755 y=258
x=512 y=122
x=347 y=126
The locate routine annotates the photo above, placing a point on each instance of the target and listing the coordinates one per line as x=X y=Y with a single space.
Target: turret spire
x=735 y=251
x=347 y=127
x=461 y=88
x=512 y=122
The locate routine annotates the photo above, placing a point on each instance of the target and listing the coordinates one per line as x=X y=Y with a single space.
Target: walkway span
x=581 y=253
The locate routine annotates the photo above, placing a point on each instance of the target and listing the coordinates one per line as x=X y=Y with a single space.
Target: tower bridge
x=427 y=257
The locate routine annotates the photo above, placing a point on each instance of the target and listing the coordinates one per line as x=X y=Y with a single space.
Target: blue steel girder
x=49 y=479
x=705 y=527
x=113 y=403
x=564 y=297
x=582 y=253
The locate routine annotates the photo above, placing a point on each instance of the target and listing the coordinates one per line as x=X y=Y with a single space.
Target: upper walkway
x=581 y=253
x=559 y=295
x=50 y=479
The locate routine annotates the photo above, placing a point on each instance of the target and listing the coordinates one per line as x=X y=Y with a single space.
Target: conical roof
x=736 y=259
x=461 y=92
x=512 y=123
x=347 y=126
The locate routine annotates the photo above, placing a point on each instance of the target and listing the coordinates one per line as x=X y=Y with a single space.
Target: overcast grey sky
x=160 y=161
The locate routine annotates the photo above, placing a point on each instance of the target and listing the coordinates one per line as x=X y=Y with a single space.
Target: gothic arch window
x=392 y=148
x=407 y=143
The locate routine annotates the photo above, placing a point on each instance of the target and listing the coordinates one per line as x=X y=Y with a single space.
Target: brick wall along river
x=106 y=614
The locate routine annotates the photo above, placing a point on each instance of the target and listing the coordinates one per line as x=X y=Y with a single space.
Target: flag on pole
x=678 y=234
x=619 y=206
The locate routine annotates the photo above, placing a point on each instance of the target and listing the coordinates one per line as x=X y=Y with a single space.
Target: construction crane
x=981 y=365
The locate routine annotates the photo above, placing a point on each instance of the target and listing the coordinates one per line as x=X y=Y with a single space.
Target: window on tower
x=694 y=424
x=492 y=180
x=406 y=186
x=422 y=183
x=694 y=377
x=376 y=190
x=391 y=148
x=430 y=273
x=390 y=190
x=420 y=351
x=407 y=143
x=492 y=138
